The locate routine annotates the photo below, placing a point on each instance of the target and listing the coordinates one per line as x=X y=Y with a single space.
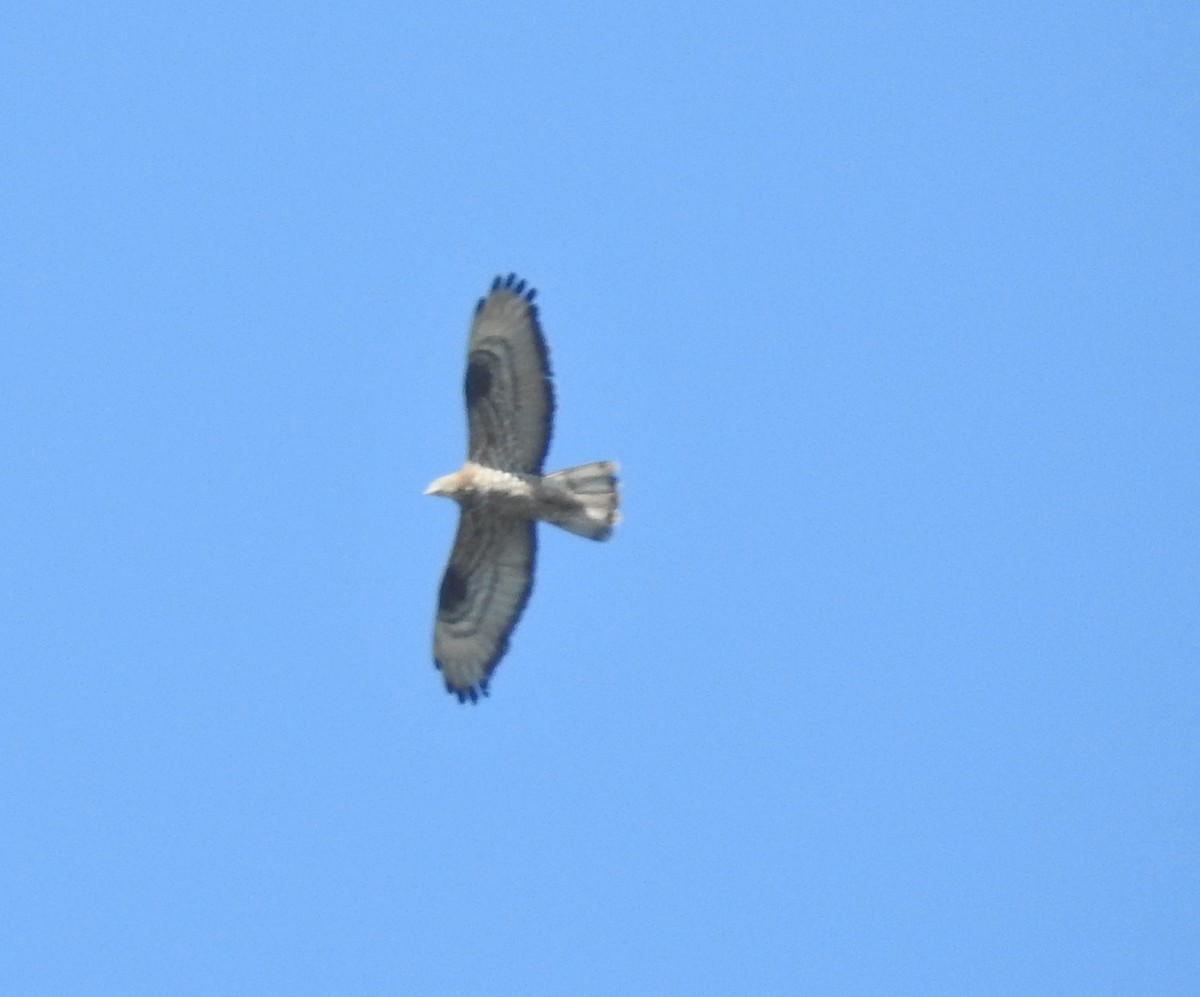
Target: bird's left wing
x=483 y=593
x=510 y=398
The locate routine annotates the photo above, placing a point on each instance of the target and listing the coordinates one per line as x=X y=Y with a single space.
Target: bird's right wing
x=483 y=593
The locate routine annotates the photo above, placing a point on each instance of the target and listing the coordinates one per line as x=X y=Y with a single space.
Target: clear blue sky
x=888 y=683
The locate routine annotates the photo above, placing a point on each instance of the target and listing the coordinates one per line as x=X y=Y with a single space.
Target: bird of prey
x=502 y=493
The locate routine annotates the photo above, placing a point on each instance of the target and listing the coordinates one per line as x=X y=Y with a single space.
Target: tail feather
x=592 y=510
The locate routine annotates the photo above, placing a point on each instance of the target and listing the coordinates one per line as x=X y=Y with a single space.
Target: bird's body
x=502 y=492
x=506 y=492
x=580 y=499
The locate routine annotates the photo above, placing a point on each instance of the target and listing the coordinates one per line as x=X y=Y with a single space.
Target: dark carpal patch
x=479 y=381
x=453 y=590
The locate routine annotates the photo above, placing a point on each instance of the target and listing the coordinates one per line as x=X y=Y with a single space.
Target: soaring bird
x=502 y=492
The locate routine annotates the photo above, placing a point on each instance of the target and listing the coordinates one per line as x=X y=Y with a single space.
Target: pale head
x=448 y=485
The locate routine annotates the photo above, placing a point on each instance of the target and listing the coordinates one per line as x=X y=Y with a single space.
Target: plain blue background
x=888 y=682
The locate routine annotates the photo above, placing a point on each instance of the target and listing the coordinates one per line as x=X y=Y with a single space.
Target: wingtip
x=471 y=694
x=517 y=285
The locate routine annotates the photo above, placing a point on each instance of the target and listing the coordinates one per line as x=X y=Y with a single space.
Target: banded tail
x=592 y=509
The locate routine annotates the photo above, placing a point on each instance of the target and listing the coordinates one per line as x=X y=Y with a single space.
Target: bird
x=502 y=492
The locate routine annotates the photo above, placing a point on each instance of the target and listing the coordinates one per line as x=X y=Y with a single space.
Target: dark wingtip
x=517 y=285
x=462 y=694
x=471 y=694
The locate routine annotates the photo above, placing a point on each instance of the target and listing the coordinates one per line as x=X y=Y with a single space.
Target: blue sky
x=888 y=682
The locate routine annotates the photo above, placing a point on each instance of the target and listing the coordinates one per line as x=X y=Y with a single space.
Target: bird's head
x=448 y=485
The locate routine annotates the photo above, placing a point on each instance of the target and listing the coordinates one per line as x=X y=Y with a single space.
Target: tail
x=591 y=510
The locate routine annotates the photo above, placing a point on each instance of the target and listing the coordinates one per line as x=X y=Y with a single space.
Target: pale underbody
x=525 y=495
x=553 y=498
